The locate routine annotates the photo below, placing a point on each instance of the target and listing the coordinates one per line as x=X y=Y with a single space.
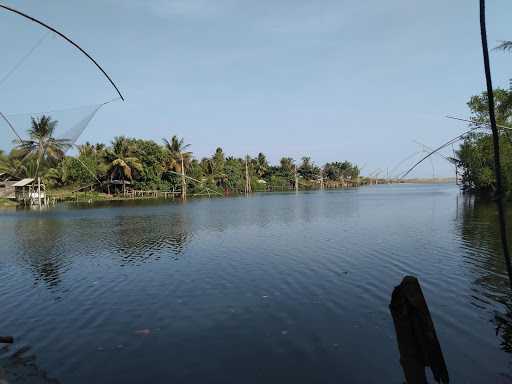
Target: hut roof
x=23 y=182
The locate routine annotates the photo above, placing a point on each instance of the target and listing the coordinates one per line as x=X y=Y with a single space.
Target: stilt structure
x=39 y=191
x=296 y=179
x=247 y=178
x=183 y=182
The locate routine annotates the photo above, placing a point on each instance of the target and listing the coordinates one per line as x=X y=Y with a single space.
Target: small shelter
x=30 y=192
x=6 y=185
x=117 y=186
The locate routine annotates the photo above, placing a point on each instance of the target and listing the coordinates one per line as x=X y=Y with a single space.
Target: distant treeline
x=475 y=155
x=149 y=165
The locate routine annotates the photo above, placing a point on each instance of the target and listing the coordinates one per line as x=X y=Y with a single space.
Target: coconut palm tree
x=261 y=165
x=178 y=159
x=13 y=166
x=17 y=168
x=42 y=145
x=122 y=164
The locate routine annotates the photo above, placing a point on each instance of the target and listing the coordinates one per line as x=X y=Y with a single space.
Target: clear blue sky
x=332 y=79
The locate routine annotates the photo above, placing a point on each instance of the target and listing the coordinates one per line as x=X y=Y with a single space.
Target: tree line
x=475 y=155
x=149 y=165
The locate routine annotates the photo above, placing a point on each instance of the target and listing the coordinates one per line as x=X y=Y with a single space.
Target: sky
x=330 y=79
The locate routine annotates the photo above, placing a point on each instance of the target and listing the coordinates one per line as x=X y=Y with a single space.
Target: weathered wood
x=416 y=336
x=6 y=340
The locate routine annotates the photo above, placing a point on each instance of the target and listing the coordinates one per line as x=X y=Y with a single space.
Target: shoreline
x=62 y=197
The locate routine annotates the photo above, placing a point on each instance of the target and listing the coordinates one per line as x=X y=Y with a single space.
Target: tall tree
x=121 y=159
x=287 y=165
x=308 y=170
x=261 y=165
x=178 y=159
x=41 y=145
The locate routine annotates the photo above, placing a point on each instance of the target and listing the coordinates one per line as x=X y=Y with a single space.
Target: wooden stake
x=247 y=179
x=296 y=180
x=6 y=339
x=39 y=191
x=183 y=183
x=416 y=336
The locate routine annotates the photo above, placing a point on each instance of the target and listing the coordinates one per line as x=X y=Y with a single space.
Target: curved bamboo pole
x=455 y=139
x=68 y=40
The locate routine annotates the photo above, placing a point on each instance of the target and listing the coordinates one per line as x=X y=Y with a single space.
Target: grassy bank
x=6 y=203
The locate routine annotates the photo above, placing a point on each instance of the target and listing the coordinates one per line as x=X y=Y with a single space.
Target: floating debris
x=143 y=332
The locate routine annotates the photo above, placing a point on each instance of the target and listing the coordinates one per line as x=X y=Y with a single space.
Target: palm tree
x=261 y=165
x=178 y=159
x=15 y=167
x=41 y=144
x=121 y=160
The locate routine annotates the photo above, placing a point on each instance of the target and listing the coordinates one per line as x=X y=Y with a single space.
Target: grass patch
x=6 y=203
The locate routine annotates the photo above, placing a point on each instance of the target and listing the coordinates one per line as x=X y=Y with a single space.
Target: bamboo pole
x=495 y=143
x=183 y=183
x=247 y=179
x=296 y=179
x=39 y=191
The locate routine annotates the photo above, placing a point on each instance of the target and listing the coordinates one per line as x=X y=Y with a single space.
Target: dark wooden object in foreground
x=415 y=333
x=6 y=340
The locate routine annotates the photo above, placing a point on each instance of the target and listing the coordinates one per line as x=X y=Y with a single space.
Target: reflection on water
x=40 y=242
x=21 y=366
x=480 y=232
x=272 y=288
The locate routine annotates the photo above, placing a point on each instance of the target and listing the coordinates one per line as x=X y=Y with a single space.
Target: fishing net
x=69 y=125
x=41 y=72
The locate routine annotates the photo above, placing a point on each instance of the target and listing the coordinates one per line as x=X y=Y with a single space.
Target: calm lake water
x=274 y=288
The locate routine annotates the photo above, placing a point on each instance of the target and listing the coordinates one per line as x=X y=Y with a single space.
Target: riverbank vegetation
x=148 y=165
x=475 y=154
x=6 y=203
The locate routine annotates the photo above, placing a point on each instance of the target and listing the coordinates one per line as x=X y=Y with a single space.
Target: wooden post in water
x=247 y=179
x=183 y=182
x=415 y=333
x=296 y=179
x=6 y=340
x=39 y=191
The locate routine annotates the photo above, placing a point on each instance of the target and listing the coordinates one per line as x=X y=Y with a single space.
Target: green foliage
x=234 y=171
x=42 y=147
x=152 y=166
x=308 y=170
x=475 y=154
x=339 y=171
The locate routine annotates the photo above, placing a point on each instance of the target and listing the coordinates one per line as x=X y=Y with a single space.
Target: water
x=274 y=288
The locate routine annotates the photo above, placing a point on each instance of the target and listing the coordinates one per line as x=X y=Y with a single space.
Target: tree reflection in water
x=145 y=239
x=484 y=257
x=21 y=367
x=41 y=245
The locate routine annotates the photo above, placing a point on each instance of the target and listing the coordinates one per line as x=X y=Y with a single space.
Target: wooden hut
x=30 y=192
x=117 y=186
x=7 y=185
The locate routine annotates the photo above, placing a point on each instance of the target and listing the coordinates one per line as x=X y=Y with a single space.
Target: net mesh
x=70 y=124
